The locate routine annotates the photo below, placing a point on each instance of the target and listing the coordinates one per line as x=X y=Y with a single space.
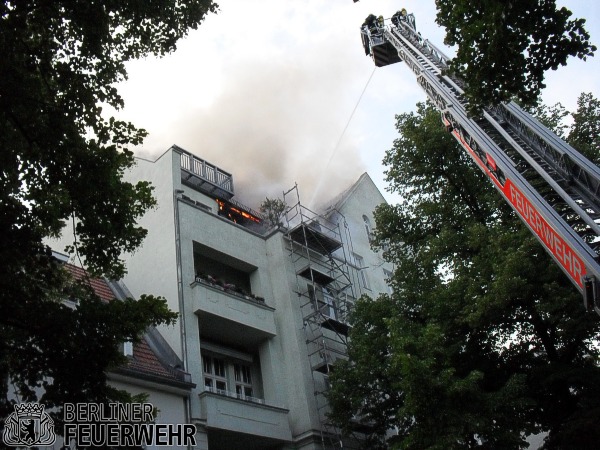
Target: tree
x=483 y=340
x=552 y=117
x=582 y=131
x=273 y=209
x=62 y=159
x=505 y=47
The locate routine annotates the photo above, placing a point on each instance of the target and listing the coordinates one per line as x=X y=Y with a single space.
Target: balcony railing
x=246 y=398
x=205 y=176
x=225 y=410
x=238 y=320
x=229 y=288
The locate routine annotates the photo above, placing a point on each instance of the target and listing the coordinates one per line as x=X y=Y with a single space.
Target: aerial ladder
x=552 y=187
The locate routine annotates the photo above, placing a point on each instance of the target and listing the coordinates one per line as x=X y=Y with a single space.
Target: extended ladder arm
x=552 y=187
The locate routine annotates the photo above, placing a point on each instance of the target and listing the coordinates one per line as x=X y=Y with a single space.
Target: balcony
x=205 y=177
x=209 y=280
x=232 y=318
x=224 y=410
x=246 y=398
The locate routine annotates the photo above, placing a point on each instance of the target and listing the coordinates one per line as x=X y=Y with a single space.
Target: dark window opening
x=221 y=273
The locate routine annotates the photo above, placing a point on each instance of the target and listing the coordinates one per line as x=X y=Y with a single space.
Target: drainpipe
x=176 y=199
x=182 y=327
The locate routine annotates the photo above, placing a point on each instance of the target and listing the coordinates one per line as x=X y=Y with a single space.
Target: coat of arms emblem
x=29 y=425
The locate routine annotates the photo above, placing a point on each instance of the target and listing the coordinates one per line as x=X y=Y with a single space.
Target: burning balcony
x=241 y=214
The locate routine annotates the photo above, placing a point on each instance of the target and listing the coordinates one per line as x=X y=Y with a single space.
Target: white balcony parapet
x=245 y=398
x=225 y=410
x=235 y=319
x=204 y=176
x=229 y=289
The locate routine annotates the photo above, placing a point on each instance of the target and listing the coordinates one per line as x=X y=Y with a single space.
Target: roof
x=339 y=200
x=145 y=362
x=99 y=285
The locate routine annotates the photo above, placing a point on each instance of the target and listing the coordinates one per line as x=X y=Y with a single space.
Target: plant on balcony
x=240 y=290
x=201 y=276
x=273 y=211
x=228 y=287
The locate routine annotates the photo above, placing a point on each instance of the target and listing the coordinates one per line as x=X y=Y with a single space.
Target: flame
x=244 y=214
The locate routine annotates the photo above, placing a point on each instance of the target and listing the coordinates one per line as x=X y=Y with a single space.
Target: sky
x=279 y=92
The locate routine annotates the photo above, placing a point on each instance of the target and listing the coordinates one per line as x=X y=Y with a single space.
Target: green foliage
x=484 y=340
x=60 y=62
x=273 y=210
x=584 y=134
x=581 y=128
x=552 y=117
x=60 y=159
x=505 y=47
x=375 y=393
x=68 y=350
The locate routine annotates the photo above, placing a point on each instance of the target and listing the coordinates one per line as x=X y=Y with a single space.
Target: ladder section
x=325 y=296
x=552 y=187
x=579 y=177
x=564 y=178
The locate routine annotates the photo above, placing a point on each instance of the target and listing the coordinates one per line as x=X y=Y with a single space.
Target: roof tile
x=99 y=285
x=144 y=361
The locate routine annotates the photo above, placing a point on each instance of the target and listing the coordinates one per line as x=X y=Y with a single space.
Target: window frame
x=209 y=373
x=235 y=375
x=368 y=227
x=242 y=375
x=387 y=275
x=359 y=262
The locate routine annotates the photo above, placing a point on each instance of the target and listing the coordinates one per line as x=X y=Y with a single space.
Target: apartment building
x=263 y=309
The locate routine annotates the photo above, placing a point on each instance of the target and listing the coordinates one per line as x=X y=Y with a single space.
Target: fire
x=229 y=209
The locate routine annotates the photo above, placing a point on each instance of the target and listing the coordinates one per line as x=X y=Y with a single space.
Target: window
x=360 y=267
x=385 y=245
x=329 y=301
x=348 y=302
x=323 y=299
x=215 y=379
x=128 y=348
x=243 y=380
x=311 y=293
x=221 y=371
x=368 y=228
x=387 y=276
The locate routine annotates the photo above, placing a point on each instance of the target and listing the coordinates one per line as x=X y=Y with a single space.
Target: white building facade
x=263 y=311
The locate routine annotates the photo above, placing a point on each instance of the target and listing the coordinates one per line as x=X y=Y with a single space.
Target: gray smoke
x=264 y=90
x=276 y=124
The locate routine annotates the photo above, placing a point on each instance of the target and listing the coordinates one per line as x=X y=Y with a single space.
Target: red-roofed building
x=145 y=360
x=100 y=286
x=152 y=366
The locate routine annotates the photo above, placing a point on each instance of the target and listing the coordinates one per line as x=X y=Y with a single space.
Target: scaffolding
x=318 y=248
